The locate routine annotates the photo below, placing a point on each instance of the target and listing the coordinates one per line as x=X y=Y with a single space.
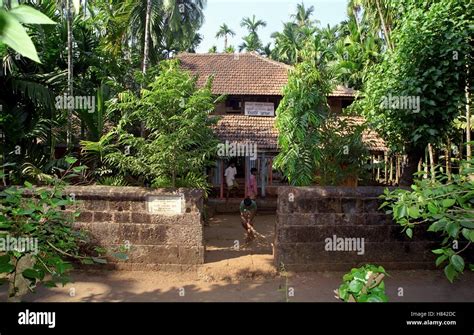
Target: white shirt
x=229 y=174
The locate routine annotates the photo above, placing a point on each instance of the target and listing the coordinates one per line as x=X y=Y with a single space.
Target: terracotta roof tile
x=248 y=129
x=372 y=140
x=261 y=130
x=238 y=74
x=342 y=91
x=243 y=73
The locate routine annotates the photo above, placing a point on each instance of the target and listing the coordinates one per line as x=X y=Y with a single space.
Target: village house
x=253 y=87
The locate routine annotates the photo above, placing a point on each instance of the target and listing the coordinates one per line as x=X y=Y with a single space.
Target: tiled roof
x=370 y=138
x=245 y=129
x=342 y=91
x=243 y=73
x=238 y=74
x=261 y=130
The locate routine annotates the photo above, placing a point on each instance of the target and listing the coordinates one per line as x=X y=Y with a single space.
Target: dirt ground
x=227 y=256
x=243 y=274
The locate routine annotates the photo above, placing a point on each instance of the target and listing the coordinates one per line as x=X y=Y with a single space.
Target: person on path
x=229 y=174
x=252 y=190
x=248 y=210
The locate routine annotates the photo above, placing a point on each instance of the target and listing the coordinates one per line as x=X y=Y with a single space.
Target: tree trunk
x=146 y=51
x=146 y=44
x=468 y=122
x=70 y=89
x=372 y=162
x=447 y=157
x=384 y=26
x=425 y=169
x=413 y=156
x=391 y=170
x=397 y=169
x=225 y=43
x=432 y=162
x=379 y=159
x=354 y=12
x=2 y=155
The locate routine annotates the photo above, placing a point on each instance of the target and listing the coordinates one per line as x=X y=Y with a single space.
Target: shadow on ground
x=401 y=286
x=243 y=275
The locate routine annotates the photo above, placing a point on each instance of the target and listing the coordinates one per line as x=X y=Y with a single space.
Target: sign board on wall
x=166 y=205
x=259 y=108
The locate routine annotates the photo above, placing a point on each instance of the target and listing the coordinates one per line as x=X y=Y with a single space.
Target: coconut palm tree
x=252 y=24
x=230 y=49
x=146 y=39
x=169 y=20
x=183 y=17
x=267 y=50
x=287 y=44
x=352 y=56
x=251 y=43
x=70 y=74
x=303 y=15
x=353 y=10
x=194 y=43
x=377 y=15
x=212 y=50
x=224 y=31
x=66 y=6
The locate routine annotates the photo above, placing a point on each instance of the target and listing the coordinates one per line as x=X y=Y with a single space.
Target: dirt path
x=228 y=258
x=418 y=286
x=231 y=274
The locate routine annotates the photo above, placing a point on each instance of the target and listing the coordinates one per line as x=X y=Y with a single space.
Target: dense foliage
x=108 y=38
x=429 y=67
x=343 y=154
x=39 y=242
x=150 y=123
x=299 y=117
x=177 y=142
x=443 y=207
x=13 y=34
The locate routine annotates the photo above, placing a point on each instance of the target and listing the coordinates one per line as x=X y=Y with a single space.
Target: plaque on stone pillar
x=166 y=204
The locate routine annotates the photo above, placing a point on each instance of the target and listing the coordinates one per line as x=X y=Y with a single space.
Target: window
x=233 y=105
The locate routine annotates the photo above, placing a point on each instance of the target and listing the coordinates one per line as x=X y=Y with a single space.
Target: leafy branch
x=446 y=207
x=364 y=284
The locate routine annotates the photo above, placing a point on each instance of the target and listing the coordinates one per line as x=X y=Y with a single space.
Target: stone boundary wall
x=318 y=213
x=120 y=216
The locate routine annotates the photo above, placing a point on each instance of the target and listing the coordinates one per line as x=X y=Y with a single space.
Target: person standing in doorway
x=229 y=174
x=252 y=190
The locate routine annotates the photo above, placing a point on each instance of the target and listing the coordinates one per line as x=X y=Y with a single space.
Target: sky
x=274 y=12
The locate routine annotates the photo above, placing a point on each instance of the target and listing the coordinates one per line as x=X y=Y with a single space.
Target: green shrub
x=364 y=284
x=443 y=206
x=50 y=244
x=343 y=154
x=165 y=136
